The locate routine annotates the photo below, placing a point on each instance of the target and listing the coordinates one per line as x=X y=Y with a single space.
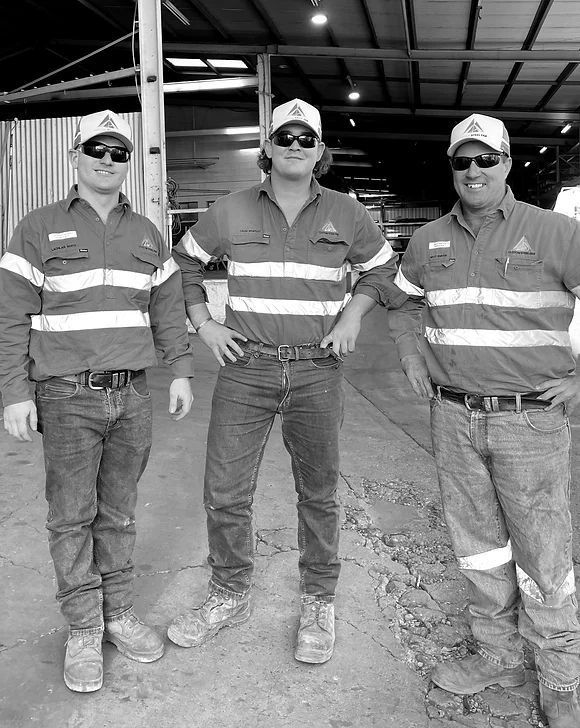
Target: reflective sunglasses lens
x=483 y=161
x=285 y=139
x=98 y=151
x=307 y=141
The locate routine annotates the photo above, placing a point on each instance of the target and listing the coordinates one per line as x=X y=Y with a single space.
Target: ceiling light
x=527 y=164
x=352 y=121
x=354 y=95
x=187 y=62
x=240 y=130
x=543 y=149
x=225 y=63
x=210 y=85
x=178 y=14
x=566 y=129
x=319 y=19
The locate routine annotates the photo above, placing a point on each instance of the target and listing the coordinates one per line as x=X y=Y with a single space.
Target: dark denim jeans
x=308 y=396
x=96 y=445
x=505 y=486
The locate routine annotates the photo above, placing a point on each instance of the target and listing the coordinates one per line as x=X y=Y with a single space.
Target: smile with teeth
x=475 y=185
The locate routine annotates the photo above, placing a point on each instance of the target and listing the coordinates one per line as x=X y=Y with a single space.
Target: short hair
x=320 y=168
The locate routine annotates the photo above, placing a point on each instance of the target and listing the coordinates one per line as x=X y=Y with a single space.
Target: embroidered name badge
x=62 y=236
x=439 y=244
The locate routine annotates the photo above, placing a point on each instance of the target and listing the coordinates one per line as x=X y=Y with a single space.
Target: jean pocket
x=241 y=362
x=330 y=362
x=57 y=389
x=140 y=387
x=546 y=421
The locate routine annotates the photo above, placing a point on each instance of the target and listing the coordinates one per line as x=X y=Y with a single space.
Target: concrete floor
x=247 y=676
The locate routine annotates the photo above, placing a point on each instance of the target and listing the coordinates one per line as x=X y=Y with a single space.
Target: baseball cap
x=296 y=112
x=480 y=128
x=103 y=123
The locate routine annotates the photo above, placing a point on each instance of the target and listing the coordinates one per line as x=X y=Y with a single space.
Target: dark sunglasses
x=483 y=161
x=98 y=151
x=285 y=139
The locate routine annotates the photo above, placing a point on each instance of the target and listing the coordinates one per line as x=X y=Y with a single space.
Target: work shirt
x=499 y=304
x=288 y=283
x=78 y=295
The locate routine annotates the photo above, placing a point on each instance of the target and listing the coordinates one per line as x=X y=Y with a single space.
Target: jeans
x=308 y=396
x=96 y=446
x=505 y=487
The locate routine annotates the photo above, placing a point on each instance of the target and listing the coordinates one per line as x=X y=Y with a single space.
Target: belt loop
x=518 y=402
x=297 y=352
x=488 y=403
x=494 y=404
x=438 y=395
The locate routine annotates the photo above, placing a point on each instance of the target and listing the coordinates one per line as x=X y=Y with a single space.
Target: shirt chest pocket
x=253 y=247
x=146 y=260
x=521 y=274
x=326 y=252
x=440 y=269
x=63 y=260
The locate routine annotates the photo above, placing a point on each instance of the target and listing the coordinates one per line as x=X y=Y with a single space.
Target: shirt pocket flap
x=64 y=252
x=327 y=241
x=146 y=255
x=250 y=238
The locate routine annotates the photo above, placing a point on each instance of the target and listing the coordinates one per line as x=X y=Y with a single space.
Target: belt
x=286 y=352
x=104 y=380
x=517 y=402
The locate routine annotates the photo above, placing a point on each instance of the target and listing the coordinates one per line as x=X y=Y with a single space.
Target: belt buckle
x=283 y=356
x=90 y=381
x=468 y=398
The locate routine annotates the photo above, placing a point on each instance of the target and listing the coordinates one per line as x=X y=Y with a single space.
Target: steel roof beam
x=375 y=39
x=411 y=45
x=474 y=15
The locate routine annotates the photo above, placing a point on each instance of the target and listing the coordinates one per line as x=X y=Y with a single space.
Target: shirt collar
x=265 y=187
x=505 y=206
x=74 y=195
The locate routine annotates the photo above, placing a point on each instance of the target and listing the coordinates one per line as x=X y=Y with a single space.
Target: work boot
x=561 y=707
x=475 y=673
x=315 y=642
x=200 y=624
x=133 y=639
x=83 y=662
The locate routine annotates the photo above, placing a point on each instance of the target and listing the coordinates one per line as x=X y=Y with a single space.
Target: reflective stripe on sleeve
x=492 y=337
x=500 y=297
x=528 y=586
x=19 y=265
x=286 y=307
x=406 y=286
x=486 y=560
x=90 y=320
x=193 y=248
x=383 y=256
x=303 y=271
x=162 y=274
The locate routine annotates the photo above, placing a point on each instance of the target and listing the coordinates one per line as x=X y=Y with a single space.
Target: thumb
x=33 y=420
x=325 y=341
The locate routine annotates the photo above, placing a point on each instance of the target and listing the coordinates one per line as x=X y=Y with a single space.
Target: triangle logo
x=329 y=228
x=108 y=123
x=522 y=246
x=296 y=112
x=474 y=128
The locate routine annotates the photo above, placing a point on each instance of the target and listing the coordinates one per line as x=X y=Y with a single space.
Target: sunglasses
x=483 y=161
x=285 y=139
x=98 y=151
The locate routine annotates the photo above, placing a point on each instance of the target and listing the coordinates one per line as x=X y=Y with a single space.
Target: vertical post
x=264 y=95
x=153 y=112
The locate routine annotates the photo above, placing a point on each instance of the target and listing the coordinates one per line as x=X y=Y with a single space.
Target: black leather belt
x=285 y=352
x=104 y=380
x=516 y=403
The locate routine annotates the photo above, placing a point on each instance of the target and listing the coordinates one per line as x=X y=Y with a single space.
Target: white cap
x=296 y=112
x=103 y=123
x=480 y=128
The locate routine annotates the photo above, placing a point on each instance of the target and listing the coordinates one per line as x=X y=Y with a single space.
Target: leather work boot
x=562 y=708
x=475 y=673
x=134 y=639
x=315 y=641
x=83 y=662
x=200 y=624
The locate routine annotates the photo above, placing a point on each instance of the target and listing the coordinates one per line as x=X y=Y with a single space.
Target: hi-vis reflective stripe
x=492 y=337
x=90 y=320
x=500 y=297
x=383 y=256
x=406 y=286
x=97 y=277
x=487 y=560
x=162 y=274
x=19 y=265
x=286 y=270
x=288 y=307
x=576 y=291
x=193 y=248
x=528 y=586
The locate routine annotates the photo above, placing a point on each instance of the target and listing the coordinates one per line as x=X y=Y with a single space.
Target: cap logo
x=474 y=128
x=297 y=112
x=108 y=123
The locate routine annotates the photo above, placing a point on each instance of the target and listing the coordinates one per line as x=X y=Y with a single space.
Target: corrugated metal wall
x=35 y=171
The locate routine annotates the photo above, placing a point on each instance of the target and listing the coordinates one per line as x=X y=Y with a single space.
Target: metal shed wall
x=34 y=167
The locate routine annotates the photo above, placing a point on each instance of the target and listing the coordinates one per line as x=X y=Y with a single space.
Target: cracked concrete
x=399 y=608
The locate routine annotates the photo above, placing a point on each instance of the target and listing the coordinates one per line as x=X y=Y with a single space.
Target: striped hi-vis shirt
x=499 y=305
x=287 y=284
x=79 y=295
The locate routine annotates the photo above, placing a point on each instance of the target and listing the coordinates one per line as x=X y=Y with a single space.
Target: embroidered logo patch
x=522 y=246
x=329 y=229
x=148 y=245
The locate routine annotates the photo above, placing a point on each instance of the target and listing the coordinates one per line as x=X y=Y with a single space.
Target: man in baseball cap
x=103 y=123
x=296 y=112
x=480 y=128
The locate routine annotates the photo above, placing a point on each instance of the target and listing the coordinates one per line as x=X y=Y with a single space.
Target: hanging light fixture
x=353 y=94
x=319 y=17
x=565 y=129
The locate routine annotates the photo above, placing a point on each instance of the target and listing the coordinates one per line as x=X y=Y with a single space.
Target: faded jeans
x=96 y=446
x=308 y=396
x=505 y=487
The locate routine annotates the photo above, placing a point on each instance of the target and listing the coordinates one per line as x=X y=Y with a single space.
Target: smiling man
x=499 y=278
x=88 y=292
x=291 y=318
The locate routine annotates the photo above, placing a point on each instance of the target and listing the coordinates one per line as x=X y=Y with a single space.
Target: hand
x=221 y=340
x=19 y=417
x=415 y=369
x=343 y=336
x=561 y=391
x=180 y=398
